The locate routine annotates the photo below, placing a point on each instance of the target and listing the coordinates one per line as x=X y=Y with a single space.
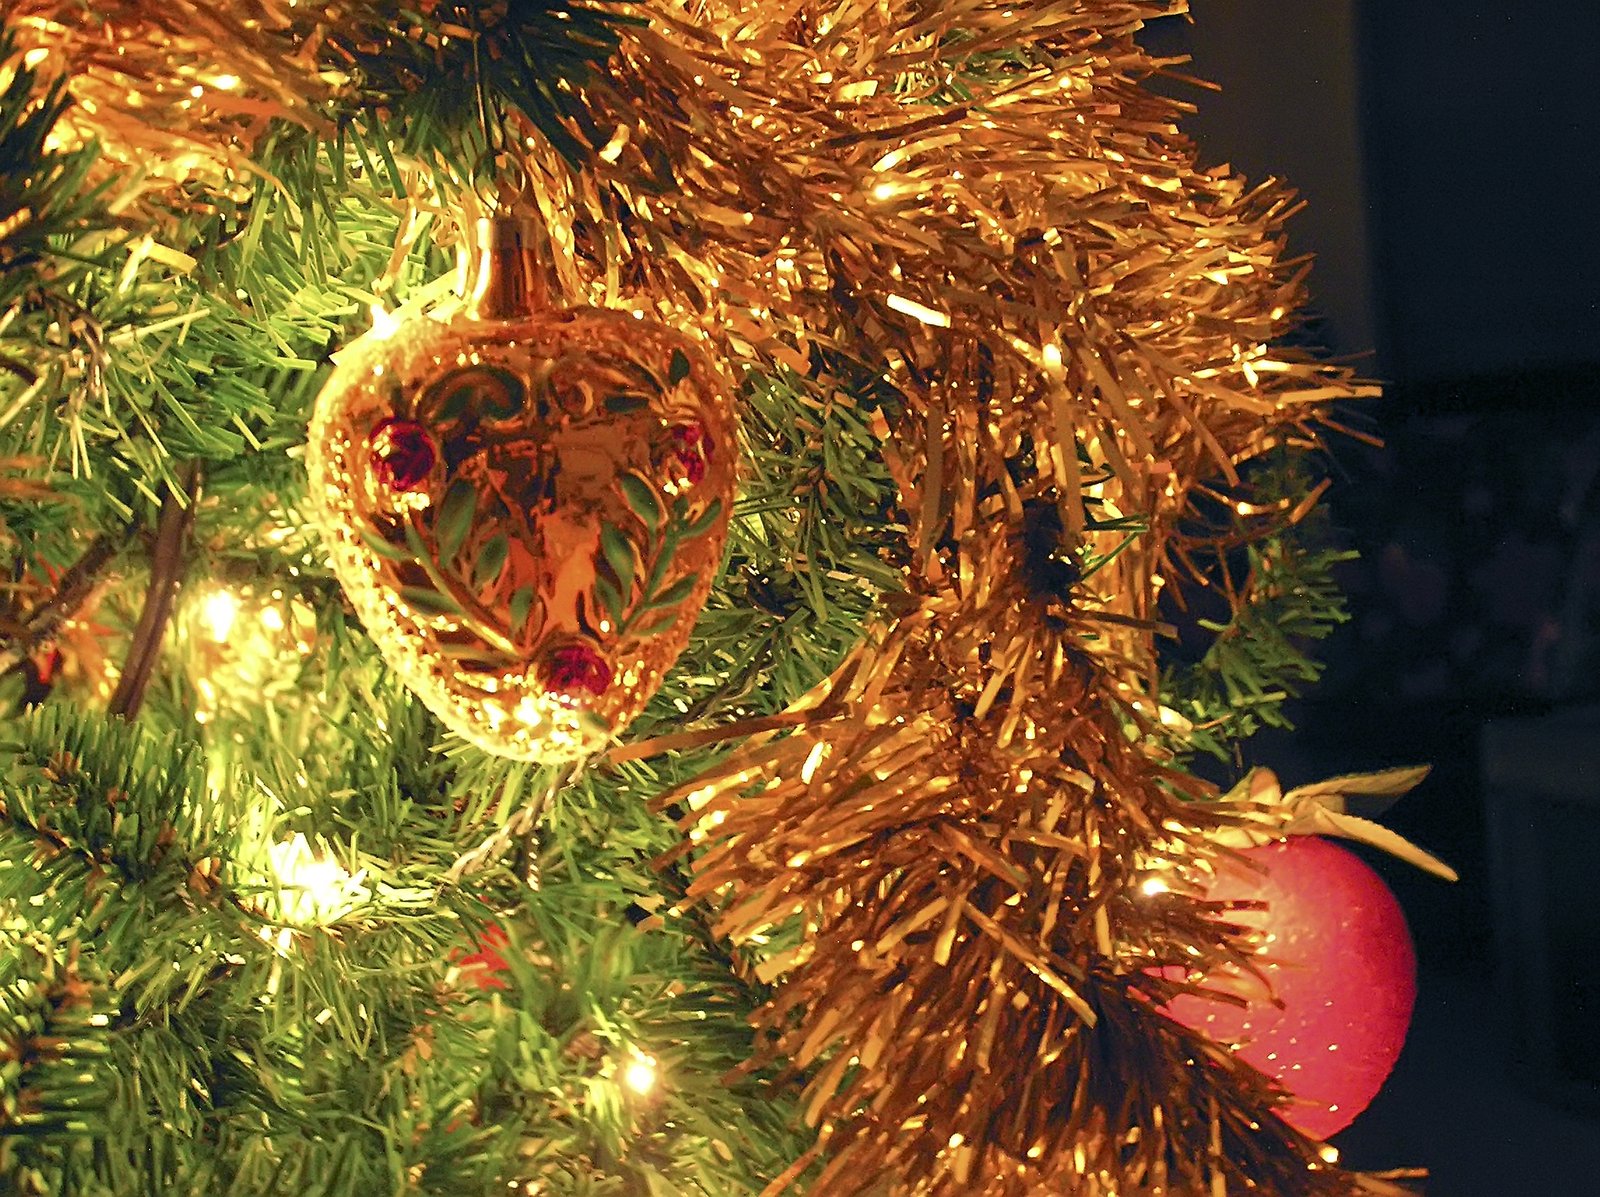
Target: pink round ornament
x=1336 y=951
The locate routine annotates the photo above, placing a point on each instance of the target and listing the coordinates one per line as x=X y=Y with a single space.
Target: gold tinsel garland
x=176 y=91
x=975 y=962
x=1072 y=313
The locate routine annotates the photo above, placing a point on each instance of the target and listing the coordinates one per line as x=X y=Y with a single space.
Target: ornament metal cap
x=508 y=278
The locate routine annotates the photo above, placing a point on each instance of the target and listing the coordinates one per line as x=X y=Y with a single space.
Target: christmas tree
x=768 y=722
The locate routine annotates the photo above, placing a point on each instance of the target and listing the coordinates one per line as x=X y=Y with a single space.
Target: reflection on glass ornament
x=525 y=505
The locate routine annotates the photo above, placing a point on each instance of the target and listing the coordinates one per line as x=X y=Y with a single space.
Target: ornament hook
x=508 y=278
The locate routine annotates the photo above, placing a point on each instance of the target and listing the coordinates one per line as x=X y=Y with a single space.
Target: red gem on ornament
x=575 y=669
x=402 y=454
x=690 y=452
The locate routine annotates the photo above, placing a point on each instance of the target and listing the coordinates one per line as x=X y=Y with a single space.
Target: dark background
x=1450 y=155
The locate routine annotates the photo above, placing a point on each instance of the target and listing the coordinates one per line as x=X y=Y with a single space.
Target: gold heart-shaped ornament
x=526 y=506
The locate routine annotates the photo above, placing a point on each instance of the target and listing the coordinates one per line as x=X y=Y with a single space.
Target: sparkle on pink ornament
x=575 y=669
x=1338 y=956
x=402 y=454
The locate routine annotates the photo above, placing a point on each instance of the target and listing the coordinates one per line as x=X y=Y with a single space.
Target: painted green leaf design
x=521 y=603
x=610 y=598
x=490 y=392
x=655 y=625
x=502 y=396
x=383 y=547
x=475 y=654
x=672 y=595
x=593 y=723
x=679 y=370
x=619 y=556
x=454 y=405
x=428 y=601
x=704 y=521
x=455 y=518
x=642 y=501
x=622 y=405
x=491 y=561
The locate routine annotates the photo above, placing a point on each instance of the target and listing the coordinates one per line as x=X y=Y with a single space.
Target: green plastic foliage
x=217 y=1048
x=1260 y=657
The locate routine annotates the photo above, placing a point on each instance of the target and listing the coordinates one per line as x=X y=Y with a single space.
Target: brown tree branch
x=166 y=570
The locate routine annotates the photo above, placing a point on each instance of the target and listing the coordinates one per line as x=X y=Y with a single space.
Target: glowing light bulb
x=1151 y=886
x=220 y=609
x=640 y=1074
x=312 y=889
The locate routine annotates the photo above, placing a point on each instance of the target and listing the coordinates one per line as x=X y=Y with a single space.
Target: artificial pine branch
x=39 y=625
